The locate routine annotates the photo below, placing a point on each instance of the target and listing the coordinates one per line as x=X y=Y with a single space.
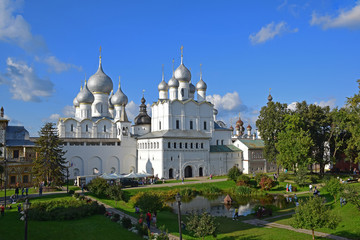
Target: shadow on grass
x=346 y=234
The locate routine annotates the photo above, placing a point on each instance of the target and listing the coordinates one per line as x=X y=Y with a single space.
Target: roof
x=17 y=136
x=224 y=148
x=17 y=143
x=175 y=134
x=253 y=144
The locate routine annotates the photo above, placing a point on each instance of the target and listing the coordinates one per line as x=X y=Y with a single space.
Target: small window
x=191 y=125
x=12 y=179
x=157 y=145
x=86 y=128
x=205 y=125
x=169 y=144
x=95 y=171
x=174 y=144
x=202 y=145
x=185 y=145
x=159 y=125
x=177 y=124
x=182 y=92
x=180 y=145
x=26 y=179
x=72 y=127
x=197 y=145
x=16 y=154
x=191 y=145
x=217 y=142
x=222 y=142
x=171 y=158
x=104 y=128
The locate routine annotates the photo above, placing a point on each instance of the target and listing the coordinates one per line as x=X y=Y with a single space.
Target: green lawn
x=10 y=192
x=94 y=227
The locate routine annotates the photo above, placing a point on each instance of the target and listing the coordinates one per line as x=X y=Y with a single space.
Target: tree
x=352 y=195
x=234 y=173
x=98 y=186
x=294 y=144
x=314 y=214
x=266 y=183
x=202 y=225
x=301 y=176
x=148 y=201
x=334 y=187
x=270 y=123
x=115 y=193
x=49 y=164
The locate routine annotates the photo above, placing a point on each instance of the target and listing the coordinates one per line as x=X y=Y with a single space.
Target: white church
x=182 y=138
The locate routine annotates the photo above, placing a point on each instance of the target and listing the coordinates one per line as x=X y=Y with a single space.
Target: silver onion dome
x=100 y=82
x=182 y=73
x=163 y=86
x=119 y=97
x=173 y=82
x=192 y=87
x=111 y=106
x=85 y=96
x=201 y=85
x=75 y=101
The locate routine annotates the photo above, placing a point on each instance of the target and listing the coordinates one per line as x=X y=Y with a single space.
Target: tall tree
x=318 y=123
x=270 y=123
x=49 y=164
x=293 y=143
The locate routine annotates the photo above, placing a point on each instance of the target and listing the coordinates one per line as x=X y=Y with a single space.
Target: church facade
x=182 y=138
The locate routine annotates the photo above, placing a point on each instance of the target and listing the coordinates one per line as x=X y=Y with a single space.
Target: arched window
x=72 y=127
x=86 y=128
x=169 y=144
x=191 y=125
x=159 y=125
x=76 y=172
x=197 y=145
x=157 y=145
x=104 y=128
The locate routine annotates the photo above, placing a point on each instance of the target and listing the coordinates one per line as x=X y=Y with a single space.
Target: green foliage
x=188 y=192
x=201 y=225
x=64 y=210
x=98 y=186
x=334 y=187
x=314 y=178
x=49 y=165
x=242 y=180
x=115 y=217
x=259 y=176
x=243 y=190
x=71 y=192
x=314 y=214
x=147 y=201
x=266 y=183
x=301 y=177
x=210 y=190
x=126 y=222
x=283 y=177
x=115 y=193
x=142 y=229
x=163 y=235
x=234 y=173
x=76 y=195
x=352 y=195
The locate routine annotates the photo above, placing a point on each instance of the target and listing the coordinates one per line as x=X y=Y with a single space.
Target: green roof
x=224 y=148
x=253 y=144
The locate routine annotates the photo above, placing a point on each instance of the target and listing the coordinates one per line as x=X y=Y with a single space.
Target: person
x=137 y=210
x=316 y=192
x=22 y=192
x=290 y=188
x=2 y=209
x=183 y=226
x=210 y=176
x=40 y=190
x=141 y=219
x=297 y=204
x=163 y=180
x=148 y=219
x=17 y=192
x=75 y=182
x=341 y=200
x=27 y=191
x=295 y=198
x=82 y=187
x=182 y=180
x=19 y=207
x=274 y=177
x=287 y=187
x=310 y=187
x=236 y=214
x=154 y=219
x=12 y=198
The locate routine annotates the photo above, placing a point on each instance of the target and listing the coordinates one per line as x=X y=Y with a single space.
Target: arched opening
x=188 y=172
x=171 y=173
x=200 y=172
x=76 y=172
x=112 y=170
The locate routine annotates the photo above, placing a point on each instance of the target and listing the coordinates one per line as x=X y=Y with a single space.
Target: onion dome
x=239 y=122
x=111 y=106
x=75 y=101
x=249 y=127
x=100 y=82
x=237 y=127
x=143 y=117
x=163 y=85
x=182 y=73
x=270 y=98
x=201 y=85
x=119 y=97
x=192 y=88
x=85 y=96
x=173 y=82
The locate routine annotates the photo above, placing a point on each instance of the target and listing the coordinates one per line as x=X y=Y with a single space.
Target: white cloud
x=132 y=110
x=15 y=29
x=229 y=102
x=56 y=65
x=68 y=111
x=331 y=103
x=24 y=84
x=345 y=19
x=270 y=31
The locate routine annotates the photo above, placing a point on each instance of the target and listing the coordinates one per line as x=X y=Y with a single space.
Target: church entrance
x=188 y=172
x=200 y=172
x=171 y=174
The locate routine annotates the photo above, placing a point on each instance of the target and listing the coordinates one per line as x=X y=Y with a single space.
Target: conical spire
x=270 y=98
x=182 y=56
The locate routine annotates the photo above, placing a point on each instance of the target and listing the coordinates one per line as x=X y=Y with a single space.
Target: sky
x=302 y=50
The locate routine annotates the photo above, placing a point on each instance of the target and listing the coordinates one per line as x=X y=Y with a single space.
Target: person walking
x=27 y=191
x=22 y=192
x=236 y=214
x=290 y=188
x=287 y=187
x=2 y=210
x=148 y=219
x=182 y=180
x=154 y=219
x=310 y=187
x=40 y=190
x=17 y=192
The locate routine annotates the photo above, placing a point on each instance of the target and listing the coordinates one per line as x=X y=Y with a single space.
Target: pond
x=217 y=208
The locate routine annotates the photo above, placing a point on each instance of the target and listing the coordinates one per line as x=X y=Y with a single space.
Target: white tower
x=183 y=75
x=163 y=87
x=173 y=86
x=201 y=88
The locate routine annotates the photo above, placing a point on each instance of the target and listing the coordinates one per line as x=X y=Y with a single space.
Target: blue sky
x=302 y=50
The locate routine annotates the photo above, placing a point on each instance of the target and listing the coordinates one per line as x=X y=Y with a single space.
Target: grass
x=94 y=227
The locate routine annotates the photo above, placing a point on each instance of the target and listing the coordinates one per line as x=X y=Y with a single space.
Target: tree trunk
x=313 y=234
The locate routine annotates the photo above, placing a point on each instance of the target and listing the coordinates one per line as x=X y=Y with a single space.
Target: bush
x=188 y=192
x=115 y=193
x=142 y=229
x=126 y=222
x=64 y=210
x=234 y=173
x=71 y=192
x=301 y=177
x=266 y=183
x=76 y=195
x=115 y=217
x=147 y=201
x=211 y=190
x=98 y=186
x=283 y=177
x=259 y=176
x=314 y=178
x=243 y=190
x=242 y=180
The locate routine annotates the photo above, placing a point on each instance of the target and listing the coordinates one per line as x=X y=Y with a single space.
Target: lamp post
x=67 y=178
x=178 y=199
x=26 y=208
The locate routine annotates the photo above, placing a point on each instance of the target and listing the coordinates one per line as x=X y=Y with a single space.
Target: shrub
x=71 y=192
x=202 y=225
x=243 y=190
x=234 y=173
x=115 y=193
x=259 y=176
x=98 y=186
x=126 y=222
x=142 y=229
x=76 y=195
x=115 y=217
x=188 y=192
x=211 y=190
x=242 y=180
x=314 y=178
x=283 y=177
x=147 y=201
x=266 y=183
x=301 y=179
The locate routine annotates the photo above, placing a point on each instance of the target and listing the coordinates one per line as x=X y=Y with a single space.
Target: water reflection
x=216 y=206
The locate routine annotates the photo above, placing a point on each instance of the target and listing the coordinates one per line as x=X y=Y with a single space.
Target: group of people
x=149 y=218
x=288 y=188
